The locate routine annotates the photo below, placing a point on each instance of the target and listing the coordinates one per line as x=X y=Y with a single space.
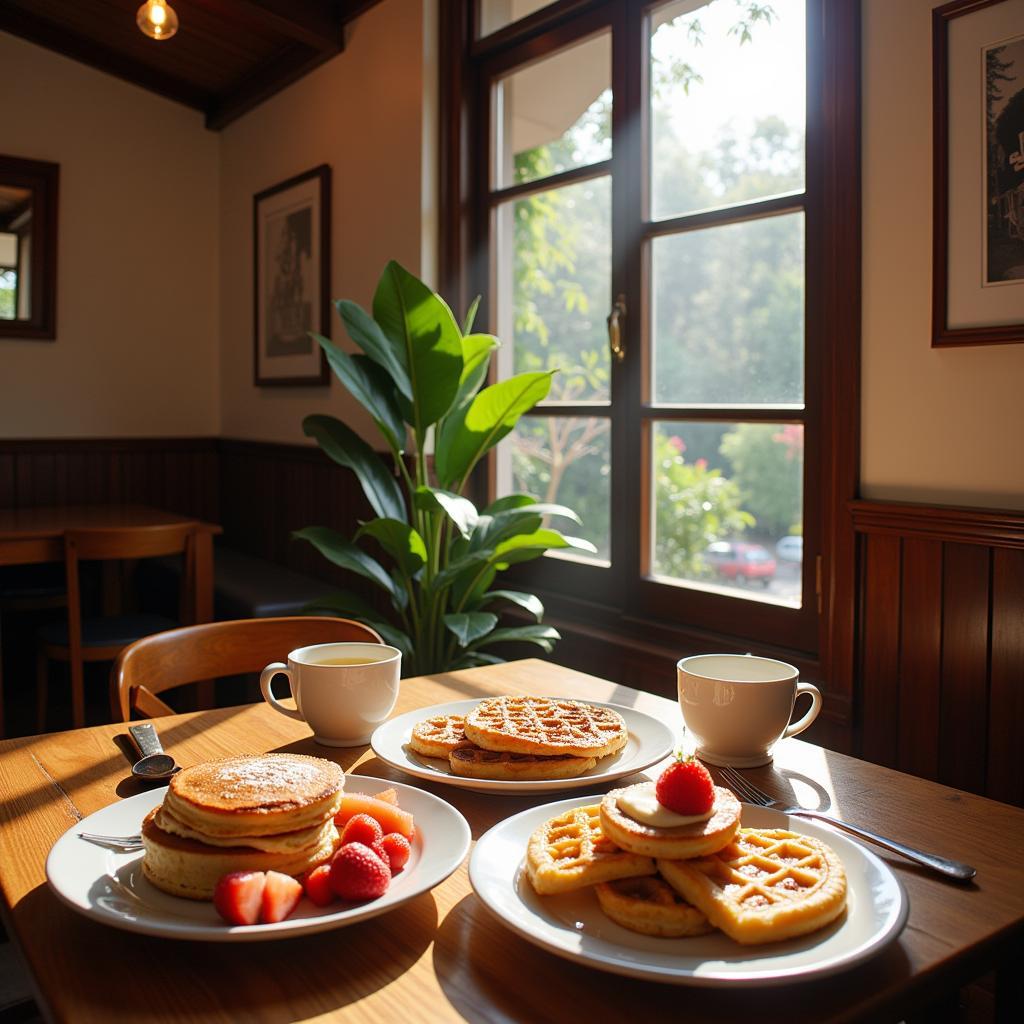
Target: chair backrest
x=197 y=653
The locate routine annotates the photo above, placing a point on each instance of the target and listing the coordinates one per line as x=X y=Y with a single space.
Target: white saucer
x=110 y=887
x=649 y=742
x=573 y=926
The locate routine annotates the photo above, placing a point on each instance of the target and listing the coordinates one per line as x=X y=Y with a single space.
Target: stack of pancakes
x=522 y=738
x=756 y=885
x=264 y=812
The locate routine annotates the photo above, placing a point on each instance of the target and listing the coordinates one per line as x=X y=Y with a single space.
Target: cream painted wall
x=137 y=300
x=362 y=113
x=939 y=425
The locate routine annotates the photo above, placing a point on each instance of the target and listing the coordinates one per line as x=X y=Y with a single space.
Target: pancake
x=680 y=843
x=190 y=868
x=255 y=795
x=474 y=763
x=285 y=842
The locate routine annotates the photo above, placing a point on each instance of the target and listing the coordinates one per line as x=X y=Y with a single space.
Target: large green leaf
x=492 y=530
x=470 y=317
x=369 y=384
x=470 y=626
x=528 y=602
x=345 y=554
x=462 y=569
x=367 y=334
x=347 y=448
x=470 y=432
x=460 y=510
x=420 y=326
x=542 y=636
x=543 y=539
x=400 y=541
x=525 y=503
x=476 y=359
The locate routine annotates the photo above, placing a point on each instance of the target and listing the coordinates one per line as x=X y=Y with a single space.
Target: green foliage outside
x=7 y=281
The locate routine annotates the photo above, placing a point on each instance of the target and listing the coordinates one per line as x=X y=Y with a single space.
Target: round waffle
x=765 y=886
x=569 y=852
x=650 y=906
x=439 y=736
x=678 y=843
x=255 y=795
x=475 y=763
x=545 y=726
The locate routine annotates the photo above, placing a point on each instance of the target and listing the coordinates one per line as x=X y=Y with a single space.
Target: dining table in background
x=443 y=955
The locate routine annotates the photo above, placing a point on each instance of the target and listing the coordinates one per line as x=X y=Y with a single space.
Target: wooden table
x=443 y=956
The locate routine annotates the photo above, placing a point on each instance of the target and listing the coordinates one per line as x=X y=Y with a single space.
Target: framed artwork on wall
x=291 y=279
x=978 y=242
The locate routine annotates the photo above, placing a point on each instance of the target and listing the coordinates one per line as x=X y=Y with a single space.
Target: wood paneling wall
x=940 y=644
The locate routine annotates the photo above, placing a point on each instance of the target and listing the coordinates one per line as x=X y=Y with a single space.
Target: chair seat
x=115 y=631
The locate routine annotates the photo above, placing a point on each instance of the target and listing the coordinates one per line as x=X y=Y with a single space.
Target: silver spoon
x=154 y=763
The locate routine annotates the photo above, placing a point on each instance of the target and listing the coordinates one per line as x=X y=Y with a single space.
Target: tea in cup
x=736 y=707
x=342 y=691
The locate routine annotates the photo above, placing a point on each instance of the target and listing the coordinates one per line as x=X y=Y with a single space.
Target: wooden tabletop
x=443 y=956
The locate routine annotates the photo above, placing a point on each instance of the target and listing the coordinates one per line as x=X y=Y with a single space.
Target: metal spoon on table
x=154 y=763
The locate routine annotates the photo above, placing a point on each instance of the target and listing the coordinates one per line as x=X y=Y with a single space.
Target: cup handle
x=812 y=714
x=266 y=684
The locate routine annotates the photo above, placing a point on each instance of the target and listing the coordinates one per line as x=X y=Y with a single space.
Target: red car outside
x=741 y=563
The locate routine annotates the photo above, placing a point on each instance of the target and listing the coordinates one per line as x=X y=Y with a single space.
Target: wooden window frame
x=832 y=202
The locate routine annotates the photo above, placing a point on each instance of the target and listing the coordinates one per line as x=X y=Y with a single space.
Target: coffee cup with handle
x=737 y=707
x=342 y=691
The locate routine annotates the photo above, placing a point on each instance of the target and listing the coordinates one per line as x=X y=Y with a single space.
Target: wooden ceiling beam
x=314 y=23
x=38 y=30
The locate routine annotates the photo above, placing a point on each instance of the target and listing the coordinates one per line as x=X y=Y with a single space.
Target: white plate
x=649 y=742
x=110 y=887
x=573 y=926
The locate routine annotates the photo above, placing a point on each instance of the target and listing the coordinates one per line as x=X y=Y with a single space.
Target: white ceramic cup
x=736 y=707
x=342 y=704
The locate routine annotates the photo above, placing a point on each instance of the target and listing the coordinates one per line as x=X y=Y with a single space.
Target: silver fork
x=123 y=844
x=746 y=790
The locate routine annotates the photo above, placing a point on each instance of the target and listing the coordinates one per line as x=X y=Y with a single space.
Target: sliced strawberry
x=238 y=896
x=397 y=849
x=362 y=829
x=358 y=874
x=281 y=896
x=317 y=884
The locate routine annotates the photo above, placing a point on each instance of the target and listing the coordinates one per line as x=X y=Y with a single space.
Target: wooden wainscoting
x=177 y=474
x=940 y=644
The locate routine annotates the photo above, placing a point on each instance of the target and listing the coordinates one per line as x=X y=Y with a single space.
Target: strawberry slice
x=317 y=884
x=238 y=896
x=281 y=896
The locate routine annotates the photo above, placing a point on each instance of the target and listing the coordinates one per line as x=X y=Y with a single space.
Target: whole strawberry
x=686 y=787
x=358 y=874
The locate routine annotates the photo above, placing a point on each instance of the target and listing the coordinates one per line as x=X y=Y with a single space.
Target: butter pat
x=640 y=802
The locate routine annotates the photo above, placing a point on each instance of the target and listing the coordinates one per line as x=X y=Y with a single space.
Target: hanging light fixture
x=157 y=19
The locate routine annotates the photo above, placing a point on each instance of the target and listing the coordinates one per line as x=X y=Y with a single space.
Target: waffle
x=765 y=886
x=650 y=906
x=475 y=763
x=679 y=843
x=439 y=736
x=569 y=852
x=539 y=725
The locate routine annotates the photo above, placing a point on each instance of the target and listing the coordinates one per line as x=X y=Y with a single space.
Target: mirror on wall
x=28 y=248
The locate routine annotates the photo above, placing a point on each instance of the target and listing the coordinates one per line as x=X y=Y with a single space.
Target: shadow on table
x=120 y=974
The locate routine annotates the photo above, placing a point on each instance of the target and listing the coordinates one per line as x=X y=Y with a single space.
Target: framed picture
x=978 y=92
x=291 y=279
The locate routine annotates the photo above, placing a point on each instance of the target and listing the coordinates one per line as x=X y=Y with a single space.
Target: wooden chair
x=77 y=641
x=198 y=653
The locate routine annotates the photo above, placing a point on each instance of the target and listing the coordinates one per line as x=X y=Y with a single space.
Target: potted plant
x=430 y=550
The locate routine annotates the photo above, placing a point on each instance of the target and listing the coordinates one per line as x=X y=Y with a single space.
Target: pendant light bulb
x=157 y=19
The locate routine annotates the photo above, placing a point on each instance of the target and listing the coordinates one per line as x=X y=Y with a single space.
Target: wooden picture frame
x=978 y=240
x=28 y=215
x=291 y=280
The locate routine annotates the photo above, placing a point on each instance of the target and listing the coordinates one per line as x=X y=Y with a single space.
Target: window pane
x=727 y=507
x=495 y=14
x=554 y=115
x=567 y=460
x=554 y=288
x=728 y=314
x=727 y=103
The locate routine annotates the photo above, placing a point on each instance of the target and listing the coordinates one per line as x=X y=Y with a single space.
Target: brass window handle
x=614 y=320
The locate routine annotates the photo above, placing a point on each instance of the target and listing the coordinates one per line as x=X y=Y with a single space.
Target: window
x=652 y=219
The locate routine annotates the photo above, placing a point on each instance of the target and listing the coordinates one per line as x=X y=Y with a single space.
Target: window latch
x=615 y=318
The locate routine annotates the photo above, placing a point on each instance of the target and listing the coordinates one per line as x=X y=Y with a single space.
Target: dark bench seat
x=244 y=587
